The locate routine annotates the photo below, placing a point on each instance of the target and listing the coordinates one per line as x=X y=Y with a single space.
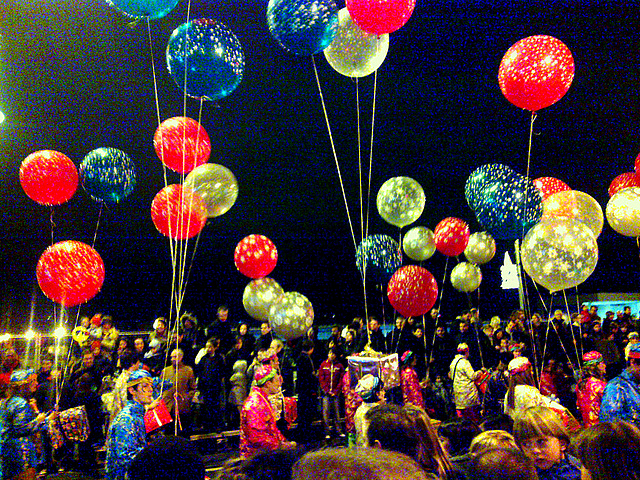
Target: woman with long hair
x=522 y=392
x=590 y=387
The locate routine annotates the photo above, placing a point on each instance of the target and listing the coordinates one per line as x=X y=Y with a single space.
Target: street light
x=29 y=335
x=59 y=332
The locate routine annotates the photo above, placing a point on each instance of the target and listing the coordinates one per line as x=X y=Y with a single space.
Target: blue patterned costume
x=621 y=400
x=127 y=436
x=17 y=448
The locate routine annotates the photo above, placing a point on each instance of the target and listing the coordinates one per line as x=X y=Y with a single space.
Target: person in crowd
x=167 y=458
x=464 y=389
x=389 y=429
x=265 y=338
x=95 y=326
x=101 y=360
x=248 y=341
x=116 y=399
x=85 y=396
x=258 y=428
x=86 y=366
x=491 y=439
x=139 y=346
x=178 y=397
x=590 y=387
x=457 y=435
x=442 y=353
x=417 y=344
x=306 y=386
x=127 y=435
x=351 y=343
x=371 y=390
x=210 y=372
x=352 y=401
x=188 y=337
x=468 y=336
x=123 y=346
x=110 y=335
x=411 y=388
x=395 y=335
x=542 y=436
x=154 y=358
x=430 y=454
x=335 y=340
x=609 y=450
x=634 y=337
x=549 y=378
x=621 y=399
x=503 y=464
x=374 y=338
x=239 y=387
x=330 y=376
x=221 y=329
x=522 y=391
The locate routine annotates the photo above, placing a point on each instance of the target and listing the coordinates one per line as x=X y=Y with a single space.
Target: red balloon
x=380 y=16
x=412 y=291
x=48 y=177
x=550 y=185
x=536 y=72
x=182 y=144
x=70 y=272
x=178 y=212
x=622 y=181
x=451 y=236
x=255 y=256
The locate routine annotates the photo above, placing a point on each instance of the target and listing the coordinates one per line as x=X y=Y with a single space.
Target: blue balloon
x=508 y=209
x=205 y=59
x=108 y=175
x=303 y=27
x=380 y=256
x=480 y=177
x=152 y=9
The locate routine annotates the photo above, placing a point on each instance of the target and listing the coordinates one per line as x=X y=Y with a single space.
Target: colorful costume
x=589 y=400
x=621 y=400
x=352 y=401
x=411 y=390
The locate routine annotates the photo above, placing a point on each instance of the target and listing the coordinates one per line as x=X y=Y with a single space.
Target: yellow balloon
x=481 y=248
x=575 y=204
x=623 y=212
x=216 y=185
x=258 y=296
x=400 y=201
x=466 y=277
x=419 y=244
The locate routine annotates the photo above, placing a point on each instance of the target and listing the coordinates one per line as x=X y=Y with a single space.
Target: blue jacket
x=567 y=469
x=127 y=436
x=621 y=400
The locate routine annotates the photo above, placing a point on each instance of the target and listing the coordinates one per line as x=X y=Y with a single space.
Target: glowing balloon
x=108 y=175
x=400 y=201
x=623 y=212
x=559 y=253
x=178 y=212
x=412 y=291
x=291 y=315
x=259 y=295
x=419 y=244
x=622 y=181
x=353 y=52
x=205 y=59
x=255 y=256
x=380 y=16
x=303 y=27
x=182 y=144
x=48 y=177
x=550 y=185
x=483 y=176
x=70 y=272
x=575 y=204
x=451 y=236
x=377 y=257
x=152 y=9
x=216 y=185
x=536 y=72
x=466 y=277
x=481 y=248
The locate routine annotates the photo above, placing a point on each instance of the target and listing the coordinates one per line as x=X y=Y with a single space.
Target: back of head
x=168 y=458
x=264 y=465
x=610 y=450
x=492 y=439
x=503 y=464
x=500 y=421
x=429 y=452
x=539 y=422
x=390 y=428
x=459 y=433
x=356 y=464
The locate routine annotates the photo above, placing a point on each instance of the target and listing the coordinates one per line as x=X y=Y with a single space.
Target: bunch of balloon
x=622 y=181
x=150 y=9
x=205 y=59
x=182 y=144
x=536 y=72
x=303 y=27
x=378 y=257
x=259 y=295
x=575 y=204
x=550 y=185
x=70 y=272
x=178 y=212
x=108 y=175
x=255 y=256
x=48 y=177
x=559 y=253
x=412 y=291
x=400 y=201
x=466 y=277
x=291 y=315
x=419 y=244
x=381 y=16
x=353 y=52
x=623 y=212
x=451 y=236
x=481 y=248
x=216 y=185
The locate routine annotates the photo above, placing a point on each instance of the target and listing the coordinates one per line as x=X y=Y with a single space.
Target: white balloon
x=419 y=244
x=400 y=201
x=291 y=315
x=258 y=296
x=481 y=248
x=466 y=277
x=575 y=204
x=623 y=212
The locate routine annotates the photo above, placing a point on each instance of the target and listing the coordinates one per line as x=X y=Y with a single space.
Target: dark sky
x=76 y=76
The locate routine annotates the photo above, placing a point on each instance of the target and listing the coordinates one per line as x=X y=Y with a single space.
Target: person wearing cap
x=127 y=434
x=522 y=392
x=371 y=390
x=621 y=400
x=258 y=430
x=591 y=387
x=465 y=391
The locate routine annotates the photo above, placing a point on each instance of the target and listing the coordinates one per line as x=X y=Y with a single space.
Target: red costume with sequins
x=589 y=400
x=352 y=401
x=411 y=391
x=258 y=429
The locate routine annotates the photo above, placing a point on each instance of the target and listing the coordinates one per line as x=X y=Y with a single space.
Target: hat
x=263 y=374
x=592 y=358
x=96 y=320
x=518 y=365
x=267 y=355
x=633 y=335
x=634 y=350
x=139 y=376
x=21 y=376
x=407 y=357
x=463 y=347
x=366 y=387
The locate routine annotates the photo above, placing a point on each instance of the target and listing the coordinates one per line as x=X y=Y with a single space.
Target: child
x=541 y=435
x=411 y=389
x=239 y=383
x=330 y=376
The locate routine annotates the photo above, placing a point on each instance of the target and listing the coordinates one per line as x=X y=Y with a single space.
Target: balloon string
x=546 y=337
x=359 y=160
x=52 y=224
x=526 y=185
x=573 y=335
x=95 y=234
x=444 y=278
x=333 y=148
x=193 y=256
x=373 y=116
x=155 y=79
x=579 y=322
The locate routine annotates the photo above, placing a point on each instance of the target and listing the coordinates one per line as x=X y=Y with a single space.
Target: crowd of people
x=529 y=388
